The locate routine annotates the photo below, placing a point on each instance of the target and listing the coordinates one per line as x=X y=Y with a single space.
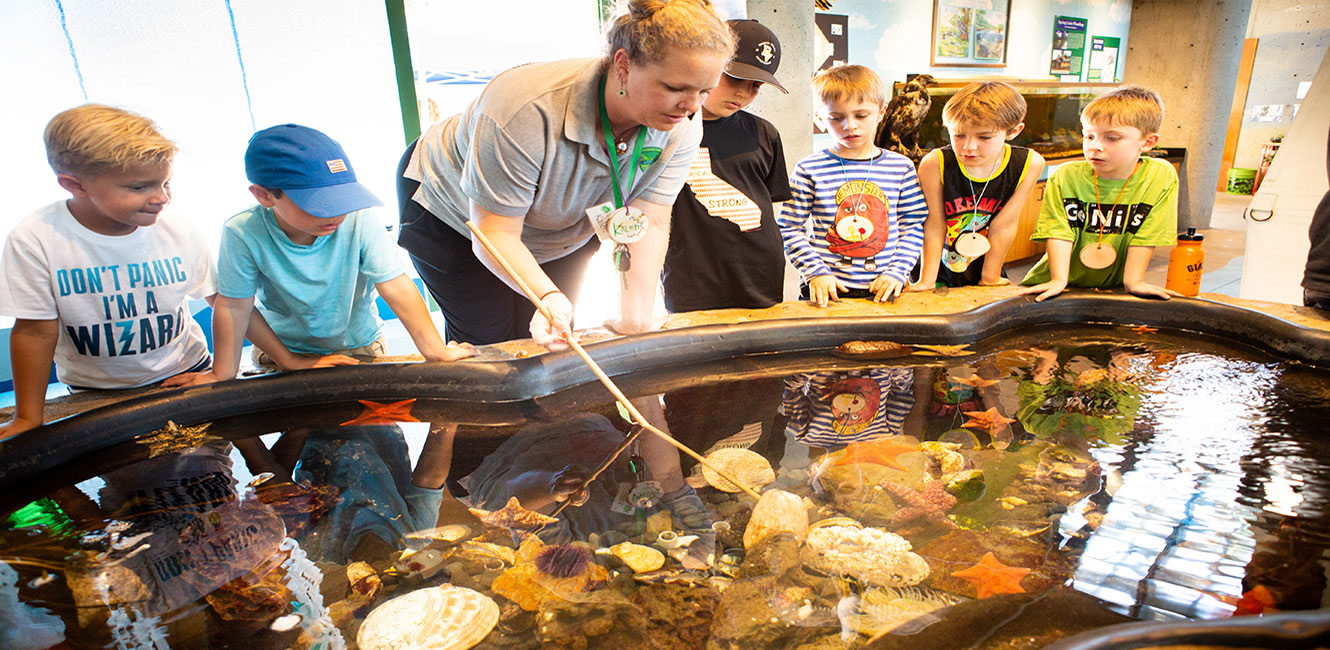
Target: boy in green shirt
x=1102 y=218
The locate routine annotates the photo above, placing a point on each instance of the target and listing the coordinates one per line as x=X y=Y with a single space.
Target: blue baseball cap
x=309 y=167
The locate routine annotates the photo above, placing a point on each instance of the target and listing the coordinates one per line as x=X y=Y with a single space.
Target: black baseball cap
x=757 y=55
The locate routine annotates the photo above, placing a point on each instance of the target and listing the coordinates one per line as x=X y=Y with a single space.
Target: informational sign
x=831 y=46
x=1104 y=59
x=1068 y=48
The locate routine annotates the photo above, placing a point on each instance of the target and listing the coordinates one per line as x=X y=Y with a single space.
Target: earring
x=621 y=92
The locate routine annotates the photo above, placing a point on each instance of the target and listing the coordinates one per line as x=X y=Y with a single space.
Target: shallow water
x=1111 y=474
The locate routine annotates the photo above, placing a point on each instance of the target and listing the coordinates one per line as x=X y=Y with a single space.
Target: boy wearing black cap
x=313 y=256
x=725 y=248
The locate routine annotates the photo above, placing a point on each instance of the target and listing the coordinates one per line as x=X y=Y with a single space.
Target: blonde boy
x=863 y=203
x=100 y=283
x=975 y=187
x=1103 y=217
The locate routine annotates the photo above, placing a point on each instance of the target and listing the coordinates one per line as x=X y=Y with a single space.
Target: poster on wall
x=1068 y=48
x=832 y=45
x=970 y=33
x=1104 y=59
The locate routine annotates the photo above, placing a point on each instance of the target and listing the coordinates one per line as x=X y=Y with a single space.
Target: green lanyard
x=613 y=152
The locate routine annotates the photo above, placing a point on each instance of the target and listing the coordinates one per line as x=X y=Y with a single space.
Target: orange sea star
x=942 y=350
x=380 y=413
x=513 y=518
x=991 y=420
x=991 y=577
x=879 y=452
x=976 y=381
x=1144 y=329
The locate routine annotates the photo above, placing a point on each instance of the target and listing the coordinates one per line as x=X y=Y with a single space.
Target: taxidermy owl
x=899 y=130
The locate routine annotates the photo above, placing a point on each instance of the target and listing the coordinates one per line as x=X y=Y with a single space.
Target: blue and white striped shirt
x=832 y=409
x=867 y=218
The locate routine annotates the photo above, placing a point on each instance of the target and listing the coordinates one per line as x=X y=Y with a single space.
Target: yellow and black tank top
x=968 y=206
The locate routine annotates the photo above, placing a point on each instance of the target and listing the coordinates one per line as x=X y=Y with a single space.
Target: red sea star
x=991 y=577
x=880 y=452
x=379 y=413
x=922 y=508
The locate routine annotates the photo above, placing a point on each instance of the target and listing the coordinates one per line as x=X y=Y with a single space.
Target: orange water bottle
x=1185 y=262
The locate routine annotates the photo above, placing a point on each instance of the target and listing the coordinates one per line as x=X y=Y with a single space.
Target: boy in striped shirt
x=863 y=203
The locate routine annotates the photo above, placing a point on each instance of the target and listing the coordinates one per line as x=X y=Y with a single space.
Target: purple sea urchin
x=563 y=561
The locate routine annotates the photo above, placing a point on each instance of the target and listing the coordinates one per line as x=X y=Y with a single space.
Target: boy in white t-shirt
x=100 y=283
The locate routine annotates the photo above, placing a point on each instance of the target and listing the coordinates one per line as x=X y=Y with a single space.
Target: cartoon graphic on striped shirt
x=832 y=409
x=866 y=218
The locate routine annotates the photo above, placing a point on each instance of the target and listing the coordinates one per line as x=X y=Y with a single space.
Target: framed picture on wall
x=970 y=33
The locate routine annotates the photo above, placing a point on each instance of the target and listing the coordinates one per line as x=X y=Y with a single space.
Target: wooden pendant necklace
x=971 y=244
x=1100 y=256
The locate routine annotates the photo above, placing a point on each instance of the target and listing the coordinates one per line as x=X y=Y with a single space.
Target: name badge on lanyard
x=621 y=223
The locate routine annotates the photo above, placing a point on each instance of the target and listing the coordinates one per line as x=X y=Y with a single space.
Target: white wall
x=1293 y=36
x=325 y=65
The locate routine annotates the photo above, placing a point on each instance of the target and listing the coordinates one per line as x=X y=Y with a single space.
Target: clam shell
x=449 y=534
x=777 y=511
x=641 y=559
x=424 y=563
x=835 y=521
x=748 y=467
x=435 y=618
x=481 y=550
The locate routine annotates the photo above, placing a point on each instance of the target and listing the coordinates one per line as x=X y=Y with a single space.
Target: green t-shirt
x=1146 y=215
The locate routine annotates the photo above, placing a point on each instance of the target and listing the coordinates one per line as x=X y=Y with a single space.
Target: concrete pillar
x=792 y=21
x=1188 y=51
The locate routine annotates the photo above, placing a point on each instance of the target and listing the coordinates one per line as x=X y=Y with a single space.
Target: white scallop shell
x=434 y=618
x=748 y=467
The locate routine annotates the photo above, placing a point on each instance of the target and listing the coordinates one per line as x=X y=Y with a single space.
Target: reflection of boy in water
x=727 y=415
x=946 y=398
x=1078 y=395
x=548 y=462
x=832 y=409
x=382 y=498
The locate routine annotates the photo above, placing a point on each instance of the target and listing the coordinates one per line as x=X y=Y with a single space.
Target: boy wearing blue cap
x=313 y=256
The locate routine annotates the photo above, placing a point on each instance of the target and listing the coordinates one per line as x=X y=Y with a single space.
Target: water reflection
x=928 y=499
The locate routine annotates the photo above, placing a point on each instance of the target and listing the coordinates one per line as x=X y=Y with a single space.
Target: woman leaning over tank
x=529 y=164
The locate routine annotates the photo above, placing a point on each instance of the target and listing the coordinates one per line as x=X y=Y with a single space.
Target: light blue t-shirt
x=319 y=298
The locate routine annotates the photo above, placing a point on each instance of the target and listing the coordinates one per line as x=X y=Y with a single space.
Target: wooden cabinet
x=1021 y=247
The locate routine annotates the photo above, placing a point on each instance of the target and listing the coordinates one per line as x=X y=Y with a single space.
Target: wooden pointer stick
x=638 y=418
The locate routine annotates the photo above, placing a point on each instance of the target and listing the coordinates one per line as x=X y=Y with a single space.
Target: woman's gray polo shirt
x=531 y=146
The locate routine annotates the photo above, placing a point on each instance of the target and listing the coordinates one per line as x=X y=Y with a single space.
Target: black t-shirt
x=725 y=248
x=969 y=206
x=1316 y=277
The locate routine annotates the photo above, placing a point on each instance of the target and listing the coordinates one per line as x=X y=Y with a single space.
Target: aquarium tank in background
x=1052 y=116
